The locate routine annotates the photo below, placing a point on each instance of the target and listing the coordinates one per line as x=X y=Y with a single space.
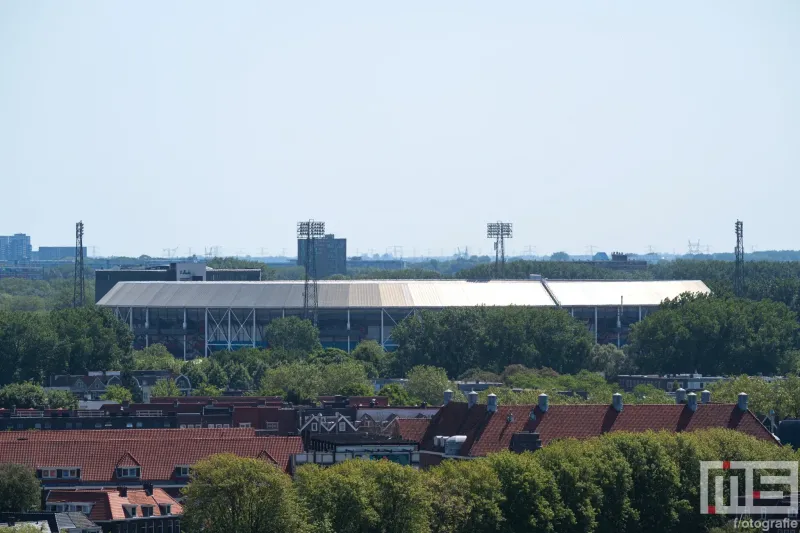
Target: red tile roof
x=409 y=428
x=158 y=452
x=491 y=432
x=108 y=503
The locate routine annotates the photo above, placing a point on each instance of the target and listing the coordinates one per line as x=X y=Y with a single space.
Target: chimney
x=616 y=402
x=742 y=401
x=491 y=403
x=691 y=401
x=680 y=396
x=123 y=492
x=510 y=418
x=705 y=396
x=448 y=395
x=148 y=489
x=472 y=398
x=544 y=402
x=372 y=402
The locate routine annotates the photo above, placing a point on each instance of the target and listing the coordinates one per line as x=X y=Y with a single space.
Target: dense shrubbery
x=619 y=482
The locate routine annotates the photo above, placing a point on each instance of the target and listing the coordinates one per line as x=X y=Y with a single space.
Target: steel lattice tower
x=500 y=231
x=308 y=232
x=738 y=273
x=78 y=292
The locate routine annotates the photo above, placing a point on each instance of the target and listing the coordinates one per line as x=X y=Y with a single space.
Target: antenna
x=308 y=232
x=694 y=247
x=500 y=231
x=78 y=291
x=738 y=272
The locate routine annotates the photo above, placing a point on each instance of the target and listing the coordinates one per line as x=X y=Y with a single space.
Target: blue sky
x=196 y=123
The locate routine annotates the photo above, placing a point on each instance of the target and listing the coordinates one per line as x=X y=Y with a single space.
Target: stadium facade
x=195 y=318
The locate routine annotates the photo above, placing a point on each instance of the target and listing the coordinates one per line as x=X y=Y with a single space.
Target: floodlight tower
x=308 y=231
x=738 y=272
x=78 y=292
x=499 y=231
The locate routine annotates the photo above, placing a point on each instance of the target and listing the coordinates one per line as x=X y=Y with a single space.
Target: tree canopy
x=19 y=488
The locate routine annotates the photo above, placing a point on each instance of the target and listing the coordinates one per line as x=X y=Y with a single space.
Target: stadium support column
x=130 y=318
x=184 y=334
x=348 y=331
x=205 y=334
x=382 y=327
x=640 y=313
x=253 y=336
x=229 y=330
x=146 y=327
x=595 y=325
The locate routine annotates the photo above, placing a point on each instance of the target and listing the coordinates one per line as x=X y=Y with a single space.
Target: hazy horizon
x=194 y=124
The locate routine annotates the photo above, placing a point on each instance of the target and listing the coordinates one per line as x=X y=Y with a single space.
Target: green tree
x=348 y=379
x=23 y=396
x=559 y=256
x=716 y=336
x=216 y=375
x=762 y=396
x=373 y=357
x=19 y=489
x=117 y=393
x=207 y=390
x=295 y=382
x=195 y=371
x=229 y=493
x=428 y=383
x=398 y=395
x=27 y=347
x=293 y=336
x=61 y=399
x=165 y=388
x=467 y=497
x=239 y=377
x=90 y=338
x=610 y=360
x=156 y=357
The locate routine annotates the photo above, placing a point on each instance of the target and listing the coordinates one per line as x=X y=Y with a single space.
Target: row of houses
x=121 y=478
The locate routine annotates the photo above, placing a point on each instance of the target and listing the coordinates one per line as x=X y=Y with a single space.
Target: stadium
x=193 y=319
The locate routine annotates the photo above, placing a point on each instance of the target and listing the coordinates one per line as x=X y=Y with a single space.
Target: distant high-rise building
x=330 y=254
x=55 y=253
x=15 y=247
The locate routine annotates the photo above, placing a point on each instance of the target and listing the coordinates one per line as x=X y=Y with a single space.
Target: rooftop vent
x=491 y=403
x=452 y=446
x=616 y=402
x=705 y=396
x=472 y=398
x=680 y=396
x=544 y=403
x=448 y=396
x=691 y=401
x=742 y=403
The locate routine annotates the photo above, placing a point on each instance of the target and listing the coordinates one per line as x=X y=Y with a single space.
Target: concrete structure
x=688 y=382
x=330 y=253
x=56 y=253
x=196 y=318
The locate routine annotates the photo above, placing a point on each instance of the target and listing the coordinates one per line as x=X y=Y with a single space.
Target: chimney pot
x=544 y=402
x=448 y=396
x=510 y=418
x=491 y=403
x=472 y=398
x=532 y=414
x=680 y=395
x=616 y=402
x=691 y=401
x=705 y=396
x=742 y=404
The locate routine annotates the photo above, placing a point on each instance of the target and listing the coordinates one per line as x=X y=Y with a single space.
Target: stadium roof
x=363 y=294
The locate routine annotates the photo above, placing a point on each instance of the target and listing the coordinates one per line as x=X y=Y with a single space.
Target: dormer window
x=128 y=472
x=147 y=510
x=314 y=427
x=129 y=509
x=165 y=509
x=182 y=471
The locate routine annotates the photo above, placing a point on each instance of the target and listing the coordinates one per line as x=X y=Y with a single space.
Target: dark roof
x=157 y=451
x=491 y=432
x=359 y=438
x=412 y=429
x=108 y=502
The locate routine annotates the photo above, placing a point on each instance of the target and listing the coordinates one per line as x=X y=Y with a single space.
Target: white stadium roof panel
x=363 y=294
x=571 y=293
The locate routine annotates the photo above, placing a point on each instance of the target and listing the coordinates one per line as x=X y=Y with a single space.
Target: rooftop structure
x=196 y=318
x=493 y=428
x=109 y=506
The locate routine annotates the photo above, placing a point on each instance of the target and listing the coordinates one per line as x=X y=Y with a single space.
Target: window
x=165 y=509
x=49 y=473
x=70 y=473
x=182 y=471
x=78 y=425
x=272 y=426
x=47 y=425
x=342 y=426
x=219 y=426
x=314 y=427
x=226 y=426
x=138 y=424
x=166 y=424
x=128 y=472
x=98 y=426
x=37 y=426
x=244 y=424
x=69 y=425
x=130 y=510
x=147 y=510
x=129 y=425
x=183 y=426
